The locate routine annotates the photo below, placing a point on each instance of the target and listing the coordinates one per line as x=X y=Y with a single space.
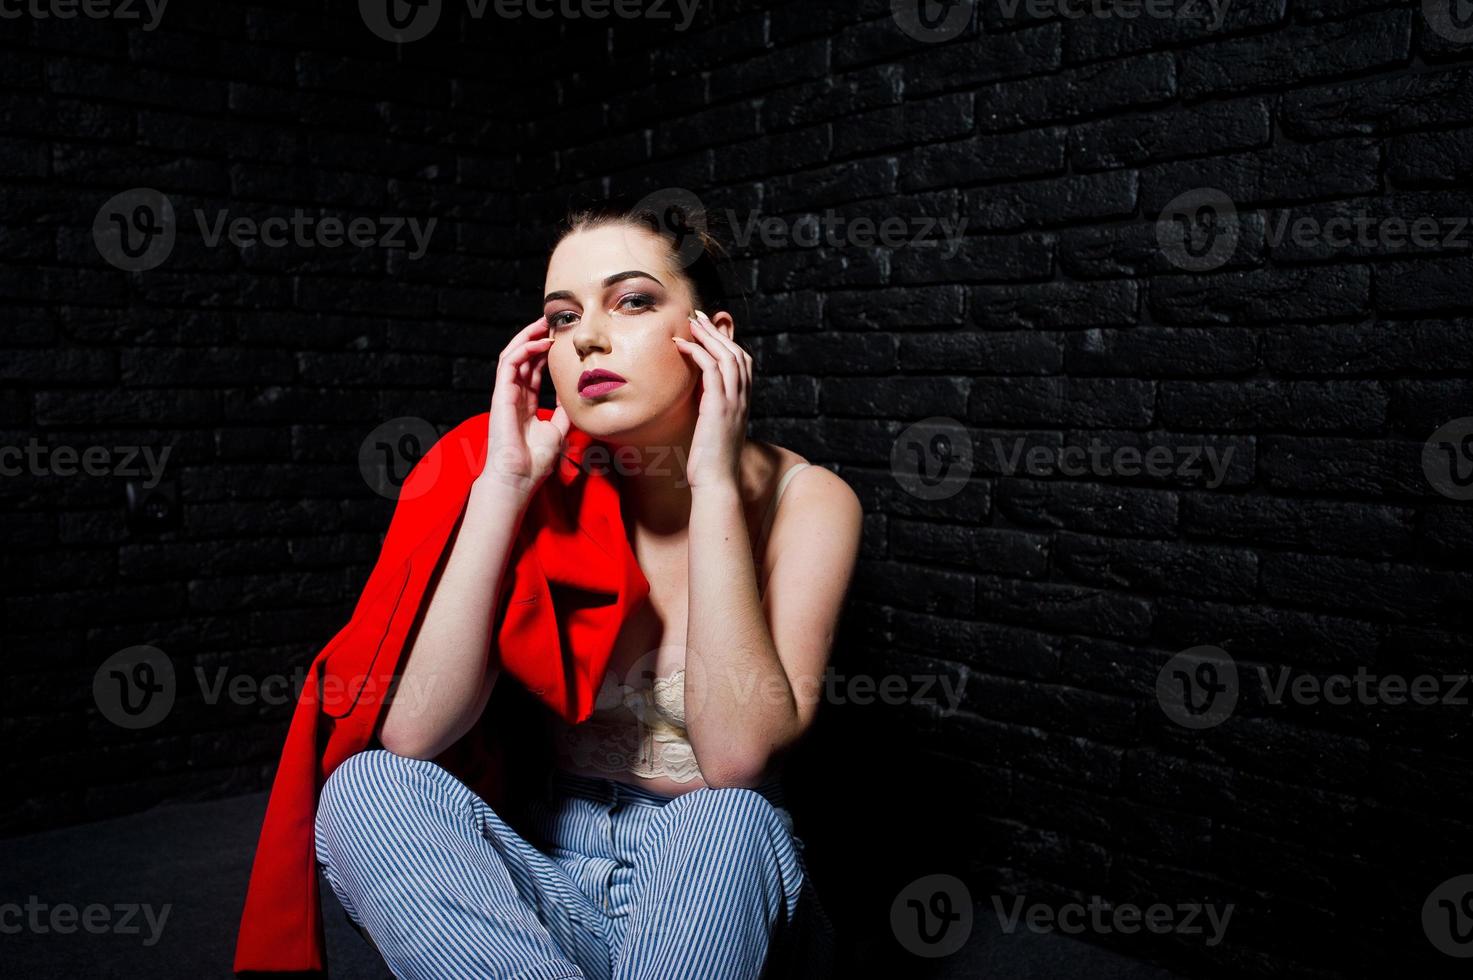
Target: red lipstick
x=597 y=382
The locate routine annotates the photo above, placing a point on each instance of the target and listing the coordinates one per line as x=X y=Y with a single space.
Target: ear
x=722 y=321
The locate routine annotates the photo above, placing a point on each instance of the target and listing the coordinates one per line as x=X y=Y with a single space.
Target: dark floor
x=188 y=865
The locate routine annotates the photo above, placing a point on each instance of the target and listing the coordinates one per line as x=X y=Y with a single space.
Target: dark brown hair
x=678 y=217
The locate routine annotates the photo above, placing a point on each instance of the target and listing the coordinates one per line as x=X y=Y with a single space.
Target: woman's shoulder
x=776 y=463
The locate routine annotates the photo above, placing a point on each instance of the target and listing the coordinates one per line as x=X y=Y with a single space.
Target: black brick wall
x=1052 y=602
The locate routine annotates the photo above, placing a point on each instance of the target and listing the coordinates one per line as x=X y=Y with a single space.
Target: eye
x=556 y=320
x=647 y=300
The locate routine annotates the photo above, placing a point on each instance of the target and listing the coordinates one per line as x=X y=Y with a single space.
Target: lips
x=598 y=381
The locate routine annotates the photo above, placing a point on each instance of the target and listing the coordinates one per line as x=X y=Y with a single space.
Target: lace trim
x=640 y=732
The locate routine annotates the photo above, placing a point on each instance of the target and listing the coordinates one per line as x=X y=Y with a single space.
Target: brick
x=1154 y=566
x=1261 y=296
x=1298 y=54
x=1318 y=525
x=1078 y=92
x=1054 y=305
x=1088 y=507
x=1215 y=127
x=1064 y=401
x=1389 y=104
x=1044 y=203
x=1159 y=352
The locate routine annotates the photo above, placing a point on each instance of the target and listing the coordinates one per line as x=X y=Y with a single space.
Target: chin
x=605 y=419
x=633 y=422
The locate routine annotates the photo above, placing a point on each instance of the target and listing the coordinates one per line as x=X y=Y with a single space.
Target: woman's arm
x=754 y=676
x=450 y=670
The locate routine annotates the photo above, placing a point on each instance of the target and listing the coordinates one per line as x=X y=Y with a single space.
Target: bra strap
x=782 y=485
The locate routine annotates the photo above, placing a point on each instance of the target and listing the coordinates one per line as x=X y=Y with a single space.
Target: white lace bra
x=637 y=729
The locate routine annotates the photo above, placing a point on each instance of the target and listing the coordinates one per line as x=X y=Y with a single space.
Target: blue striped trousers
x=601 y=879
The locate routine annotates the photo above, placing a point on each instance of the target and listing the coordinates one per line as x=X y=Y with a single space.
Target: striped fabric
x=600 y=879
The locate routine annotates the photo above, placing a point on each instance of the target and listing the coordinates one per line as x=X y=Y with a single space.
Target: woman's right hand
x=522 y=448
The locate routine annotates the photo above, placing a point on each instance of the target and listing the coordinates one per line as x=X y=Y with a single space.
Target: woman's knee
x=732 y=815
x=355 y=787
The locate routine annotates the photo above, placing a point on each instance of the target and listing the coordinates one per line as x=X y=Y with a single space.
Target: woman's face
x=613 y=301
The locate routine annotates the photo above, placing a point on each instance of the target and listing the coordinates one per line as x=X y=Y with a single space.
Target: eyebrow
x=616 y=277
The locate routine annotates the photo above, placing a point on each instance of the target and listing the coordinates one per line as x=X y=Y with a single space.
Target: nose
x=590 y=333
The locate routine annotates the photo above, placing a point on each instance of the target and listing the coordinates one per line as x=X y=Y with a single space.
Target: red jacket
x=571 y=581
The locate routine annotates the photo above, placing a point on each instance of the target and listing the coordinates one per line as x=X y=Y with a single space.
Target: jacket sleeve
x=281 y=929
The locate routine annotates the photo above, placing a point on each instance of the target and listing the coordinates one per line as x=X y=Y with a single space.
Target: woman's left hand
x=721 y=429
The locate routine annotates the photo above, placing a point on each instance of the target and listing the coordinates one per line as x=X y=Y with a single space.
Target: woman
x=659 y=845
